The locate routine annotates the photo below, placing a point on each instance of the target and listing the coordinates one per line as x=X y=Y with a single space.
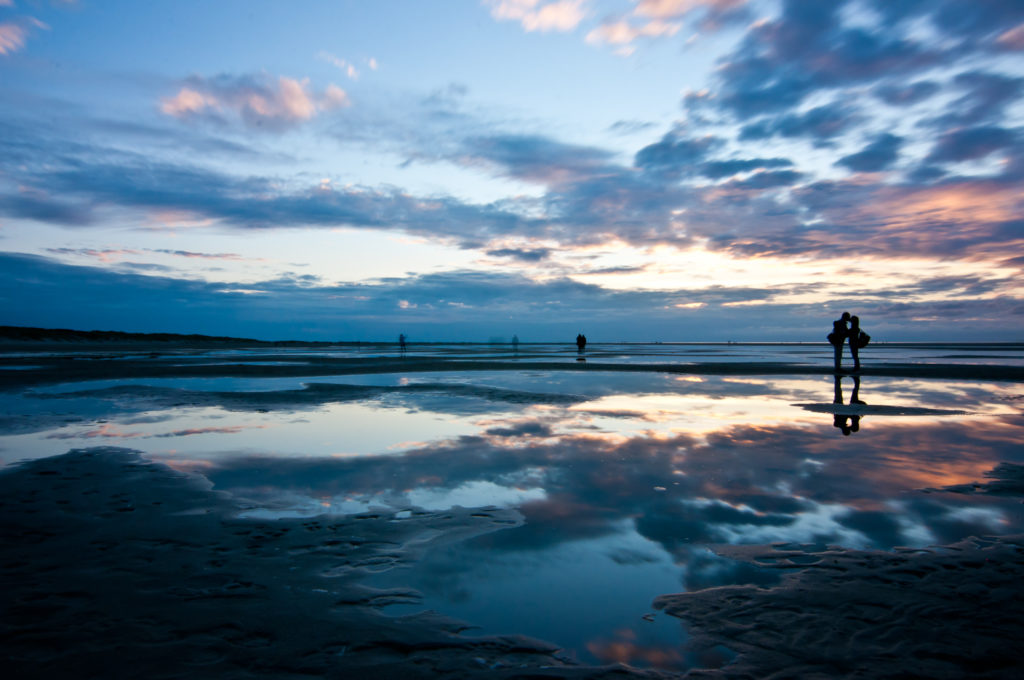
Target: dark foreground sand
x=112 y=566
x=115 y=567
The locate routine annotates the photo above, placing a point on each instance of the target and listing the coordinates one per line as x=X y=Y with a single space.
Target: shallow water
x=623 y=479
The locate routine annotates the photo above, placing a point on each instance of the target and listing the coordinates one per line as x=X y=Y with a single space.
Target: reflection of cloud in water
x=472 y=495
x=738 y=484
x=110 y=431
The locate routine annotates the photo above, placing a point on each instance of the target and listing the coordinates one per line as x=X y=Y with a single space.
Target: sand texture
x=951 y=612
x=115 y=567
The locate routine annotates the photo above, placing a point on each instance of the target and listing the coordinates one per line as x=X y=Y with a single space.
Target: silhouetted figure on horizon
x=837 y=337
x=401 y=341
x=847 y=423
x=581 y=342
x=515 y=343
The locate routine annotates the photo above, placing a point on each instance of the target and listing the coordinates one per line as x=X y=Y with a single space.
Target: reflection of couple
x=850 y=423
x=846 y=328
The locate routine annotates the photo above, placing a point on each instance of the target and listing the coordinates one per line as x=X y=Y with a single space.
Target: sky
x=467 y=170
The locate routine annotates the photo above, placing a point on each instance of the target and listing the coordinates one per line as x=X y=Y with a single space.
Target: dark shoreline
x=29 y=338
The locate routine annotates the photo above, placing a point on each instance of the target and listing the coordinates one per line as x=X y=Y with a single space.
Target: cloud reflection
x=741 y=484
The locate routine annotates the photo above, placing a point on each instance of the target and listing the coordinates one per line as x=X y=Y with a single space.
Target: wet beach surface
x=470 y=511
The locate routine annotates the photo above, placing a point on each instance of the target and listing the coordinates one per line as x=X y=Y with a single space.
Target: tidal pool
x=624 y=481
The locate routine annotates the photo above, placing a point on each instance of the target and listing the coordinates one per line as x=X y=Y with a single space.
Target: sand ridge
x=949 y=612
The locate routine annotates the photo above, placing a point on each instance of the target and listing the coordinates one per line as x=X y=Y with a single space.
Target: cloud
x=457 y=305
x=670 y=9
x=106 y=255
x=232 y=429
x=540 y=15
x=12 y=37
x=522 y=254
x=880 y=154
x=628 y=127
x=807 y=48
x=535 y=158
x=1012 y=39
x=653 y=19
x=907 y=95
x=14 y=34
x=623 y=33
x=985 y=99
x=194 y=255
x=588 y=195
x=675 y=154
x=347 y=67
x=37 y=205
x=522 y=429
x=975 y=24
x=822 y=124
x=258 y=100
x=971 y=143
x=769 y=179
x=588 y=199
x=728 y=168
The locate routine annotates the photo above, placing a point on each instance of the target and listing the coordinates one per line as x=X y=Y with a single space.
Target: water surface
x=624 y=480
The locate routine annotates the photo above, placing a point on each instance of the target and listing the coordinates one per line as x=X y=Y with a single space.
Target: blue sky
x=691 y=170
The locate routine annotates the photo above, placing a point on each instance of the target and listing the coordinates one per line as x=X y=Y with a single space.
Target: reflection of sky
x=550 y=592
x=621 y=487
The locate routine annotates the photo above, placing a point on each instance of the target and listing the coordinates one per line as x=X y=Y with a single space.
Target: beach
x=223 y=509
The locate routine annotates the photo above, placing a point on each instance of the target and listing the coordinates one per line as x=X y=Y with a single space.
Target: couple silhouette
x=847 y=329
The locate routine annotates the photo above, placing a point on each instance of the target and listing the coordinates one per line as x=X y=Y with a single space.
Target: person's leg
x=838 y=347
x=855 y=353
x=855 y=397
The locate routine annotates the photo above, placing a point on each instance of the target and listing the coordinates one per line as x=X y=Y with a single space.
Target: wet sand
x=113 y=566
x=49 y=363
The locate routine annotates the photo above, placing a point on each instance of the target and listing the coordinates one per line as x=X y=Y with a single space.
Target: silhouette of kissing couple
x=847 y=329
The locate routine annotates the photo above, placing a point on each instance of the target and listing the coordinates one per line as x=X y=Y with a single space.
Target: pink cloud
x=14 y=34
x=234 y=429
x=535 y=15
x=623 y=33
x=106 y=431
x=667 y=9
x=259 y=101
x=652 y=19
x=347 y=67
x=106 y=255
x=1012 y=39
x=204 y=256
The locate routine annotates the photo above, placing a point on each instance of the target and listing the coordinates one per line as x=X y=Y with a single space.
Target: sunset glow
x=676 y=170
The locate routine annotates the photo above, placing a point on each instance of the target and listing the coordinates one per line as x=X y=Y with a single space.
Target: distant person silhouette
x=401 y=341
x=581 y=342
x=515 y=343
x=837 y=337
x=858 y=339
